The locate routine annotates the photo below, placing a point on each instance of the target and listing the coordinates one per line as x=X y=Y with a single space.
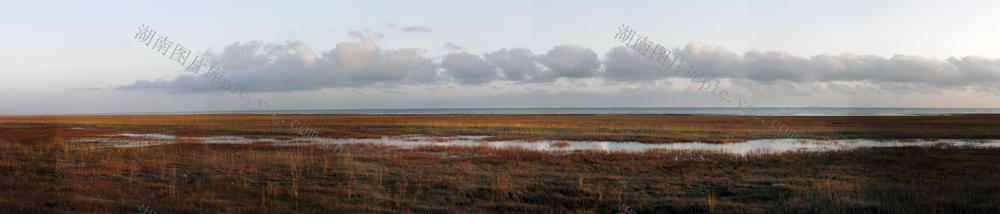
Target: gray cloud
x=416 y=29
x=942 y=73
x=565 y=61
x=290 y=66
x=624 y=64
x=366 y=34
x=571 y=61
x=520 y=64
x=451 y=46
x=517 y=64
x=711 y=61
x=255 y=67
x=469 y=69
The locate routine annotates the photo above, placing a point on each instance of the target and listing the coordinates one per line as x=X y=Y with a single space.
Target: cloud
x=710 y=61
x=516 y=64
x=364 y=63
x=625 y=64
x=565 y=61
x=469 y=69
x=416 y=29
x=935 y=72
x=452 y=46
x=365 y=34
x=570 y=61
x=258 y=67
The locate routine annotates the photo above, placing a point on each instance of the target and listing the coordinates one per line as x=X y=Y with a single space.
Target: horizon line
x=462 y=108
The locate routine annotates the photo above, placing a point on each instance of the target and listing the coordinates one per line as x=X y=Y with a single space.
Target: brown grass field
x=42 y=172
x=640 y=128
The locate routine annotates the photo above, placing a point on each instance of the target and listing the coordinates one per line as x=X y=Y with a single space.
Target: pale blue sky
x=52 y=52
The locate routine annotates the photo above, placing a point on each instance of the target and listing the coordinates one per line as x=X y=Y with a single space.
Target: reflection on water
x=411 y=141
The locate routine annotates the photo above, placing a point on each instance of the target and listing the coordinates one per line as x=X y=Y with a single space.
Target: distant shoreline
x=714 y=111
x=458 y=114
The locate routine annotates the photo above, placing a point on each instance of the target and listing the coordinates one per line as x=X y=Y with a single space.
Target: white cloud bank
x=290 y=66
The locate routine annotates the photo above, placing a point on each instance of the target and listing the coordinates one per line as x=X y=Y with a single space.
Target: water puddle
x=412 y=141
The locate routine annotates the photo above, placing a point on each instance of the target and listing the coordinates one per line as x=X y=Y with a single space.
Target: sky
x=71 y=57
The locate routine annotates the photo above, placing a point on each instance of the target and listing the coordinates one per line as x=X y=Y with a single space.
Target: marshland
x=49 y=165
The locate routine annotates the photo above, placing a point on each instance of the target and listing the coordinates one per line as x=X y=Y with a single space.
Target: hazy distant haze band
x=763 y=111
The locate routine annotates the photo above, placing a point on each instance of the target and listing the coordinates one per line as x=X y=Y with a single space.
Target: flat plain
x=42 y=168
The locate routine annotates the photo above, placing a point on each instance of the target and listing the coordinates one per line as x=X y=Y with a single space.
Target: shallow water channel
x=412 y=141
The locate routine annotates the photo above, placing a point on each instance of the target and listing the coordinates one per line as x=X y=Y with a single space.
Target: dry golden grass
x=53 y=176
x=41 y=172
x=641 y=128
